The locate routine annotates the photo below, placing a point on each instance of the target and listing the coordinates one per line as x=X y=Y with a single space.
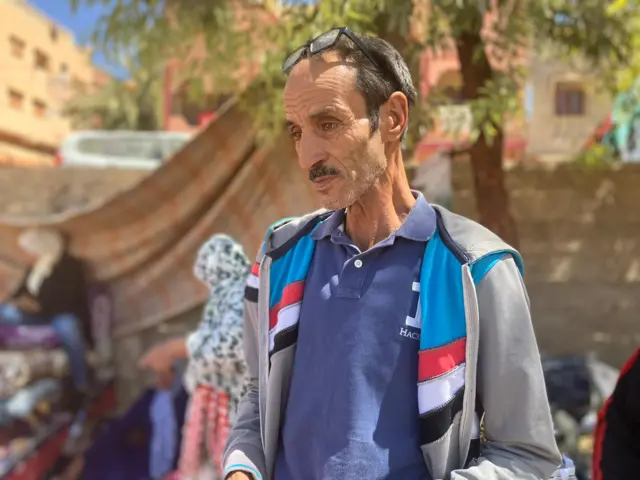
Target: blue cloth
x=122 y=451
x=163 y=434
x=356 y=361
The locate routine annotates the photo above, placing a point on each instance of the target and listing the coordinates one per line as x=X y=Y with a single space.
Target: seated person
x=53 y=292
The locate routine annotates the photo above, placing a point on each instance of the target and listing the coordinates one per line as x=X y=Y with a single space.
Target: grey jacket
x=503 y=372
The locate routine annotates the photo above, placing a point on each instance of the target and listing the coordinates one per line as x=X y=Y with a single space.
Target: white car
x=120 y=149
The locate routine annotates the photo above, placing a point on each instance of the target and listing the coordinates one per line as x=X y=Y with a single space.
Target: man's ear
x=394 y=115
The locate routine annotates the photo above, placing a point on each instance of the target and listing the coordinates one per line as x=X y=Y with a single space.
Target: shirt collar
x=418 y=226
x=331 y=224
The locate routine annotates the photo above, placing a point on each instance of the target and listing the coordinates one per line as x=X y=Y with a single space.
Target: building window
x=570 y=99
x=17 y=47
x=16 y=99
x=41 y=60
x=53 y=33
x=39 y=108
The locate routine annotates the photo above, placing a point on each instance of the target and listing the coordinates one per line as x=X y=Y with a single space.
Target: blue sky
x=81 y=23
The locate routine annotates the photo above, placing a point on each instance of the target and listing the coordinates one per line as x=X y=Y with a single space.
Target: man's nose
x=310 y=151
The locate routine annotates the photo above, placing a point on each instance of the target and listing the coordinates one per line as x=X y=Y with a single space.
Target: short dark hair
x=376 y=83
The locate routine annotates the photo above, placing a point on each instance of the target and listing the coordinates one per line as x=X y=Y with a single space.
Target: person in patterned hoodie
x=216 y=369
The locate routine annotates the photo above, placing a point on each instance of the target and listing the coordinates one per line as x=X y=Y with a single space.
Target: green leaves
x=235 y=36
x=132 y=104
x=597 y=155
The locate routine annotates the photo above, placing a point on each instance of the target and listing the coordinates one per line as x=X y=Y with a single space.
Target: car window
x=93 y=146
x=147 y=148
x=142 y=148
x=173 y=145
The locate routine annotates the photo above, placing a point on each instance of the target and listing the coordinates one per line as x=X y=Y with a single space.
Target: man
x=617 y=440
x=379 y=332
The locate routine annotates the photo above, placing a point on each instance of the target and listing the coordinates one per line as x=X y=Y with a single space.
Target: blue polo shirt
x=352 y=411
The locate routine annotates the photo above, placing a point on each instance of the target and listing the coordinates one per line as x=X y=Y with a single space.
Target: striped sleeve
x=253 y=281
x=253 y=284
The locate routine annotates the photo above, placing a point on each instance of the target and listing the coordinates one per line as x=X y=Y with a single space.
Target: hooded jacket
x=478 y=359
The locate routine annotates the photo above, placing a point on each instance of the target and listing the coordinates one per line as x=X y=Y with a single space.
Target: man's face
x=327 y=119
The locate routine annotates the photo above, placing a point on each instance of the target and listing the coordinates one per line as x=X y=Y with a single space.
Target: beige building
x=41 y=67
x=566 y=106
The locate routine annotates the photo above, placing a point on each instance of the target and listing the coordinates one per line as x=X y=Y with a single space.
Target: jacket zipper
x=471 y=319
x=263 y=340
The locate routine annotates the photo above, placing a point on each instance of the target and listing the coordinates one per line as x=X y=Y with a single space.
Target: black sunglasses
x=323 y=43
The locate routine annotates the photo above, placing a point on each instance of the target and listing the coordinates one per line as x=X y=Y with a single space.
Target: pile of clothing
x=34 y=386
x=33 y=371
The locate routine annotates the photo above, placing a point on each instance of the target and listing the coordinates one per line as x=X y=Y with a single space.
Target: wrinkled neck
x=381 y=210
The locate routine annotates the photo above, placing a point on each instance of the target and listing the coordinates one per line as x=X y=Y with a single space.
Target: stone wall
x=580 y=239
x=580 y=235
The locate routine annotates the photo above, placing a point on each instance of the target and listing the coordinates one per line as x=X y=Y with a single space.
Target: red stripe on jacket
x=440 y=360
x=291 y=294
x=255 y=270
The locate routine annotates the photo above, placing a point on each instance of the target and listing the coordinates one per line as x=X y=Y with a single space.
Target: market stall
x=41 y=428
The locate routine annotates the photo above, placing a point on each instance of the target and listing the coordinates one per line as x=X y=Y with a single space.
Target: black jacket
x=616 y=453
x=65 y=290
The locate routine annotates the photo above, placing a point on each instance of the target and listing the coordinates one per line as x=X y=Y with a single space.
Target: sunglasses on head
x=323 y=43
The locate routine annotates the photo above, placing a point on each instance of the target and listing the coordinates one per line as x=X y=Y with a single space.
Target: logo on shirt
x=413 y=321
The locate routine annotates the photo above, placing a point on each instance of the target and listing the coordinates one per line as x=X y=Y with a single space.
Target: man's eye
x=328 y=126
x=295 y=134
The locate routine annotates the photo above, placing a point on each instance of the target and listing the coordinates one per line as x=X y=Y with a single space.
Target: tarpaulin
x=142 y=242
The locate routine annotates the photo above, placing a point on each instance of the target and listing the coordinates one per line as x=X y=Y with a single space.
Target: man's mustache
x=321 y=170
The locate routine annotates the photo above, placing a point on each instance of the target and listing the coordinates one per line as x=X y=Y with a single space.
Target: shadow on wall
x=580 y=239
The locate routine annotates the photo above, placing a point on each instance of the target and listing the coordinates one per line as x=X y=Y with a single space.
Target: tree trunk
x=486 y=155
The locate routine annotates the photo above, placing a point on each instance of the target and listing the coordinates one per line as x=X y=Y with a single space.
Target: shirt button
x=358 y=263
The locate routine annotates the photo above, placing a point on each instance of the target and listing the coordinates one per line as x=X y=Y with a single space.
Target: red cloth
x=205 y=430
